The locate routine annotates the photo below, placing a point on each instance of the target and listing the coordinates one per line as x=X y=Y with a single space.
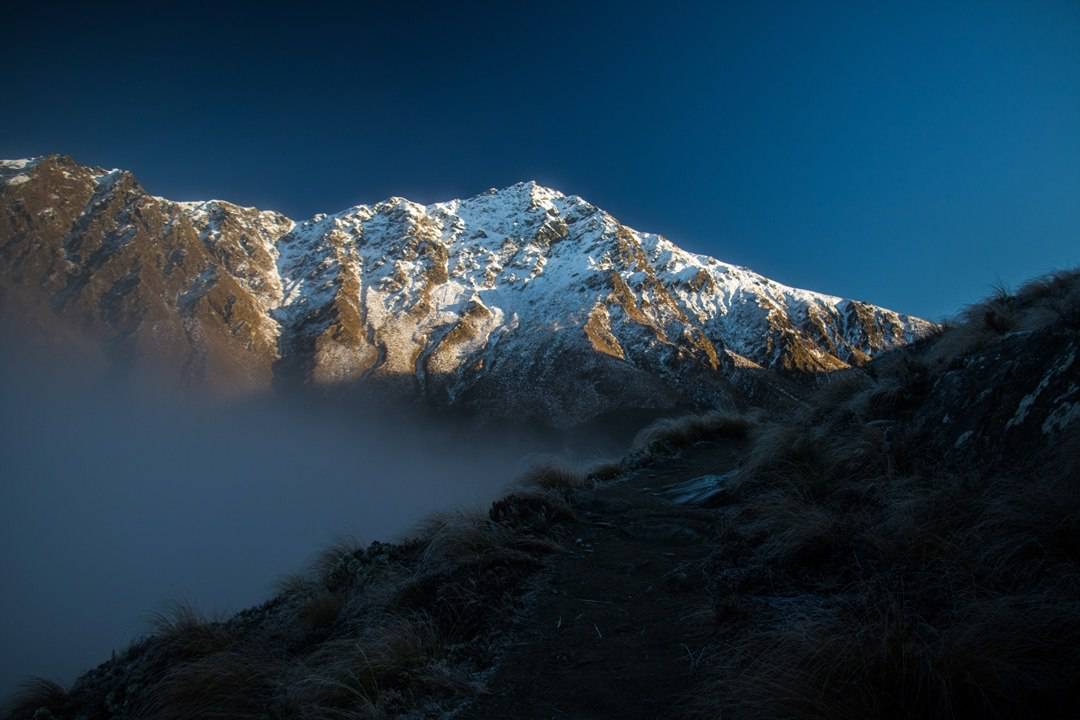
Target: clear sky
x=910 y=154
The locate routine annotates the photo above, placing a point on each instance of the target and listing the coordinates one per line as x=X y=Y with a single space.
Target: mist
x=115 y=503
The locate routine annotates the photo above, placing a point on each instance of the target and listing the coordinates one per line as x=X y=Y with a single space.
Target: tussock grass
x=394 y=661
x=863 y=574
x=178 y=618
x=225 y=684
x=321 y=610
x=924 y=596
x=877 y=655
x=337 y=563
x=604 y=472
x=532 y=510
x=34 y=698
x=680 y=432
x=841 y=386
x=365 y=632
x=552 y=477
x=1051 y=300
x=187 y=631
x=294 y=584
x=460 y=538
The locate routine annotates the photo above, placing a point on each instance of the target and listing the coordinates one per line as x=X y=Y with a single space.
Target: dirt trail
x=618 y=624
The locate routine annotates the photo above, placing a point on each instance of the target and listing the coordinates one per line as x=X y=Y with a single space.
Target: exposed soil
x=618 y=625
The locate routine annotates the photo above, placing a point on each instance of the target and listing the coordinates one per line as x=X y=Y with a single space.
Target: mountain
x=517 y=302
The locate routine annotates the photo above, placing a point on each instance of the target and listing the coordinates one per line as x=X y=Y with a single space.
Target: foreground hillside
x=521 y=302
x=907 y=545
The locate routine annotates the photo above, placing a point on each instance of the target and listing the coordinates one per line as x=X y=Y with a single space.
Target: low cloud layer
x=114 y=504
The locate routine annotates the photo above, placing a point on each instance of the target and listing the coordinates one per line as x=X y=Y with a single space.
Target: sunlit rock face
x=517 y=302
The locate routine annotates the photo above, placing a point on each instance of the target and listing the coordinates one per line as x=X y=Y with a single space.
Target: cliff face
x=521 y=301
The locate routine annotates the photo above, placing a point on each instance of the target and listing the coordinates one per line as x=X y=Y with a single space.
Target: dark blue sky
x=906 y=153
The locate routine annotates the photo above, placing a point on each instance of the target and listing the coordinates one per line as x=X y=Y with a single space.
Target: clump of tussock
x=297 y=583
x=1052 y=300
x=1056 y=286
x=604 y=472
x=469 y=559
x=680 y=432
x=226 y=684
x=393 y=662
x=554 y=478
x=337 y=563
x=187 y=631
x=1049 y=301
x=321 y=610
x=36 y=698
x=817 y=462
x=538 y=512
x=460 y=538
x=842 y=386
x=469 y=543
x=178 y=618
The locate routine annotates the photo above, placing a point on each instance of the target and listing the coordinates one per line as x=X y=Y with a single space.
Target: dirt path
x=618 y=624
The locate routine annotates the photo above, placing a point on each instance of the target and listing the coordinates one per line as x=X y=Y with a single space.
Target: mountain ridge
x=521 y=301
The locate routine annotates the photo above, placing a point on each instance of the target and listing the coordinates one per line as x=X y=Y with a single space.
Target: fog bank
x=114 y=504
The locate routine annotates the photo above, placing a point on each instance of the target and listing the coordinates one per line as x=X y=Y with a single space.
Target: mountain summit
x=520 y=301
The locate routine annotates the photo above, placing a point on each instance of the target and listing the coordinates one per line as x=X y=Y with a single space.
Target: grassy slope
x=366 y=633
x=876 y=563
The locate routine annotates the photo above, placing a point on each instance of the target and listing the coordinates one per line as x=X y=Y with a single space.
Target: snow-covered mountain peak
x=500 y=299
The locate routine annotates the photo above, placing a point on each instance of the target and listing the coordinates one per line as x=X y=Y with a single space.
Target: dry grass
x=372 y=632
x=460 y=538
x=1047 y=301
x=32 y=697
x=293 y=584
x=877 y=654
x=840 y=387
x=178 y=618
x=222 y=685
x=187 y=632
x=321 y=610
x=934 y=595
x=396 y=660
x=605 y=472
x=470 y=562
x=554 y=478
x=538 y=512
x=863 y=575
x=680 y=432
x=336 y=564
x=389 y=662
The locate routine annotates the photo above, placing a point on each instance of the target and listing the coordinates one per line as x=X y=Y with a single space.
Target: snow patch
x=1062 y=416
x=696 y=490
x=1028 y=400
x=22 y=164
